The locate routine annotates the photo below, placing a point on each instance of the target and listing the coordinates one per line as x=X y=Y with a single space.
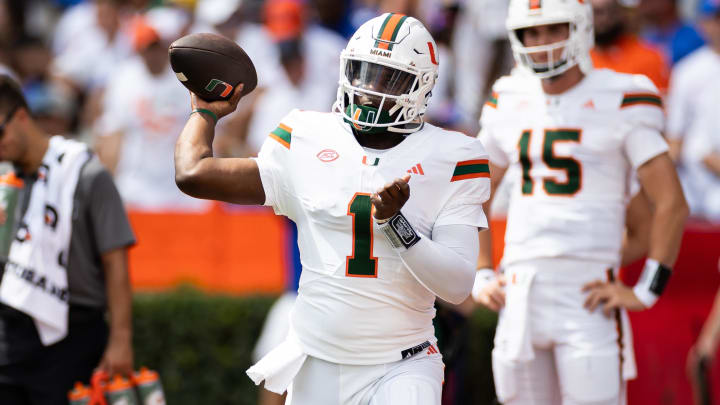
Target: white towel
x=35 y=280
x=512 y=338
x=279 y=367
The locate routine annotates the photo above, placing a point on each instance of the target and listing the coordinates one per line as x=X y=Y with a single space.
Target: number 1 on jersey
x=361 y=263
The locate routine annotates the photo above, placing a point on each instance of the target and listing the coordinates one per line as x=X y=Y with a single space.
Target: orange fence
x=228 y=249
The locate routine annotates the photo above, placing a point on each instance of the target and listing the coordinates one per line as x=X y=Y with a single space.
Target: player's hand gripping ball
x=212 y=66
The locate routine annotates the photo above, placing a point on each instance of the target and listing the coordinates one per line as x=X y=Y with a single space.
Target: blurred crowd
x=98 y=70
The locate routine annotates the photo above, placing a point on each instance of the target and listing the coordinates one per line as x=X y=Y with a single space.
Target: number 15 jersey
x=357 y=302
x=570 y=158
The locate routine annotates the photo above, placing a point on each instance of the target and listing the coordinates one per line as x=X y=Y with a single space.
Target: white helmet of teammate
x=576 y=49
x=387 y=72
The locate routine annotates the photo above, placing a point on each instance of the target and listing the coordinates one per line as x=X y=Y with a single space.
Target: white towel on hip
x=512 y=338
x=279 y=367
x=35 y=279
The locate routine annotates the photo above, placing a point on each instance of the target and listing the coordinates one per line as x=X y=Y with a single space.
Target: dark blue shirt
x=677 y=42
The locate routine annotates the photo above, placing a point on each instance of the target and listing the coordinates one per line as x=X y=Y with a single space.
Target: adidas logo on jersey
x=417 y=169
x=589 y=105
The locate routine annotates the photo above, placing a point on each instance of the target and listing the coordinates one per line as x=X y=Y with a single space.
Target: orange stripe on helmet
x=387 y=33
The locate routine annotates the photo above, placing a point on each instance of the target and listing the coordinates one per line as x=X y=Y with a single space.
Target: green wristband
x=205 y=111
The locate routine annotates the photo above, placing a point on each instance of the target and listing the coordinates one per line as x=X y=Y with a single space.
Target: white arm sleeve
x=445 y=264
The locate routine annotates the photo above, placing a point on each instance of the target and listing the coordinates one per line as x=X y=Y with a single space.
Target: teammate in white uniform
x=690 y=85
x=572 y=136
x=361 y=330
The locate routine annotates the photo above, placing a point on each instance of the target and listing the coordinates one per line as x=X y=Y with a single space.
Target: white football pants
x=416 y=380
x=573 y=356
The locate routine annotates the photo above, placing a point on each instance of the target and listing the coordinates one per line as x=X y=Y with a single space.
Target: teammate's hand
x=611 y=295
x=118 y=358
x=221 y=108
x=389 y=199
x=493 y=294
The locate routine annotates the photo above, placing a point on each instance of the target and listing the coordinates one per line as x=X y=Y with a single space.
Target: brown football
x=211 y=66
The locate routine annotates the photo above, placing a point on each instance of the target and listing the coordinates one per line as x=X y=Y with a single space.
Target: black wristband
x=399 y=232
x=652 y=282
x=660 y=281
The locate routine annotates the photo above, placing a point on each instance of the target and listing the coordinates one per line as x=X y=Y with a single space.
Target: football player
x=572 y=136
x=387 y=208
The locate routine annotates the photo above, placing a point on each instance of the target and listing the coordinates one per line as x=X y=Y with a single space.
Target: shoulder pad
x=628 y=89
x=641 y=91
x=284 y=131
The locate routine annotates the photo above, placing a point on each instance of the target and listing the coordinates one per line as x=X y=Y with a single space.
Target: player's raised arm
x=198 y=173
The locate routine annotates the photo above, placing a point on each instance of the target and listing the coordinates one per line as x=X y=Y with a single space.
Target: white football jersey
x=572 y=156
x=357 y=303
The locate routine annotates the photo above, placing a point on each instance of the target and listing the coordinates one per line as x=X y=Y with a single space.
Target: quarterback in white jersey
x=361 y=329
x=573 y=136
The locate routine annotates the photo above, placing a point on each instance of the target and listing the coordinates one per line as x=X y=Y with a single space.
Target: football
x=211 y=66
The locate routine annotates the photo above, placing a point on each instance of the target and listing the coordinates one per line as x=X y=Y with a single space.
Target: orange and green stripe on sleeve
x=632 y=99
x=389 y=31
x=471 y=169
x=492 y=101
x=282 y=134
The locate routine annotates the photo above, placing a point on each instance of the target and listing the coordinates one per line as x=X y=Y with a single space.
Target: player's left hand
x=388 y=200
x=611 y=295
x=118 y=358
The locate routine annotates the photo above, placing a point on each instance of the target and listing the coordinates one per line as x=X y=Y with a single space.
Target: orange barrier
x=228 y=249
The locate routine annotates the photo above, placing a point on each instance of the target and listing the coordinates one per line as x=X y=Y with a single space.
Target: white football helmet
x=387 y=72
x=576 y=49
